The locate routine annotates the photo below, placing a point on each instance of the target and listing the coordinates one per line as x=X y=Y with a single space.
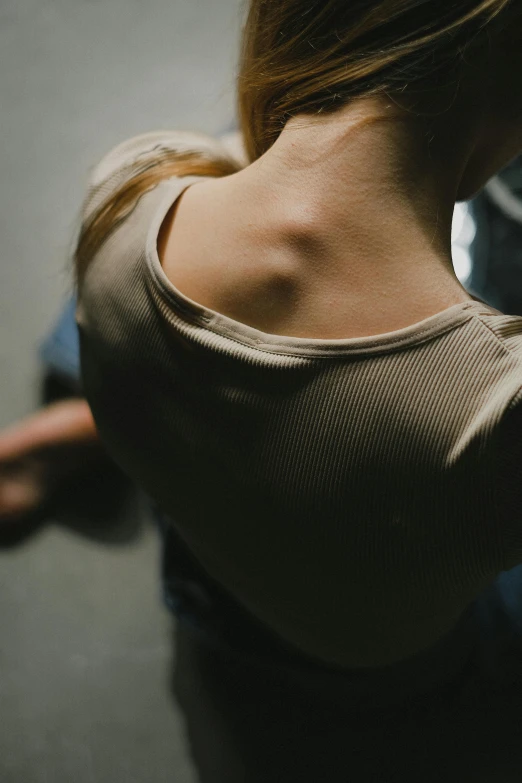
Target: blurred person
x=496 y=250
x=274 y=345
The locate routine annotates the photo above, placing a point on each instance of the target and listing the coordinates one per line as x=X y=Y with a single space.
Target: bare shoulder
x=207 y=254
x=218 y=252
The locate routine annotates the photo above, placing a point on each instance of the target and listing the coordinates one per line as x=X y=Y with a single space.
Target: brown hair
x=311 y=56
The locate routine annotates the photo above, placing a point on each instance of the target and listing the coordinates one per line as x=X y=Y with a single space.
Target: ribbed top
x=353 y=495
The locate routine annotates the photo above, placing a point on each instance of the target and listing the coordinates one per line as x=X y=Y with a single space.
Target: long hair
x=312 y=57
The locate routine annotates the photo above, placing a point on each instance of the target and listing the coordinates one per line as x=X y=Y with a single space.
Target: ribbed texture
x=354 y=495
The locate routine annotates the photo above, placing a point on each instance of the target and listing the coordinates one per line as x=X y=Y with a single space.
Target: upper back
x=313 y=478
x=252 y=277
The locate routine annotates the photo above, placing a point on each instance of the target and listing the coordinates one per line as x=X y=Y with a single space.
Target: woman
x=275 y=346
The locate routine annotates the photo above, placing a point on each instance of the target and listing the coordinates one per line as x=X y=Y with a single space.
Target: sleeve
x=121 y=161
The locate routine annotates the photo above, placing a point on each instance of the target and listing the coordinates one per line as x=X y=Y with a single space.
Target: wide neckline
x=170 y=190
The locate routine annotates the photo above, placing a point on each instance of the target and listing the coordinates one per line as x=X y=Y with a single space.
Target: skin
x=352 y=208
x=343 y=210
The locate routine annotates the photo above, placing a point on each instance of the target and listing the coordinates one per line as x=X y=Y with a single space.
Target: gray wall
x=75 y=79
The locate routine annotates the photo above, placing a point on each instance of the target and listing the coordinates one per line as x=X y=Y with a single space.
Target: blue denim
x=60 y=351
x=213 y=614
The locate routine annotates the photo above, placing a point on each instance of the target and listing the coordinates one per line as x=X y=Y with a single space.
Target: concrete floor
x=86 y=645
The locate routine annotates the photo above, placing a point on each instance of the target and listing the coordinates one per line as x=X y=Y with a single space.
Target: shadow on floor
x=100 y=502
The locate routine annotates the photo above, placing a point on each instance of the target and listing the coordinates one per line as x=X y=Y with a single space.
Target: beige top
x=345 y=492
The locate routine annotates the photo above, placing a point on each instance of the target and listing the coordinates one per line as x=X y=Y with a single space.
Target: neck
x=361 y=188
